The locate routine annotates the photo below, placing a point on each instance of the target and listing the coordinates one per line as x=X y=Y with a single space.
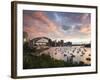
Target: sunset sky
x=67 y=26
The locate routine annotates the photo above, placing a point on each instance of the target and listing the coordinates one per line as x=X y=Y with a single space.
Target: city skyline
x=67 y=26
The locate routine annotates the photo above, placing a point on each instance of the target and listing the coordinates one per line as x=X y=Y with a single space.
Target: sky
x=67 y=26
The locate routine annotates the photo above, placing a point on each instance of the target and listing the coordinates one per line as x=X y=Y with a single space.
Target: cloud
x=86 y=29
x=78 y=27
x=85 y=18
x=37 y=23
x=41 y=26
x=83 y=28
x=64 y=27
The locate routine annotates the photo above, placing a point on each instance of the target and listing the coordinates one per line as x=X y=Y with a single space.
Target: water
x=75 y=54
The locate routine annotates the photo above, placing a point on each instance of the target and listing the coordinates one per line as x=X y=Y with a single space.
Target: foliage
x=44 y=61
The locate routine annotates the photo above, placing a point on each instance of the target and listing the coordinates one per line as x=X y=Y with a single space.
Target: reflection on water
x=74 y=54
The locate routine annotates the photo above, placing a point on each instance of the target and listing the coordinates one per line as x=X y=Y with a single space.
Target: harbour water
x=74 y=54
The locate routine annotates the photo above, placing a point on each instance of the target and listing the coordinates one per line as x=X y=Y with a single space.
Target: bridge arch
x=38 y=38
x=41 y=41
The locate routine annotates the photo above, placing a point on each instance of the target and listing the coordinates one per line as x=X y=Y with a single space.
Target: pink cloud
x=42 y=26
x=86 y=29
